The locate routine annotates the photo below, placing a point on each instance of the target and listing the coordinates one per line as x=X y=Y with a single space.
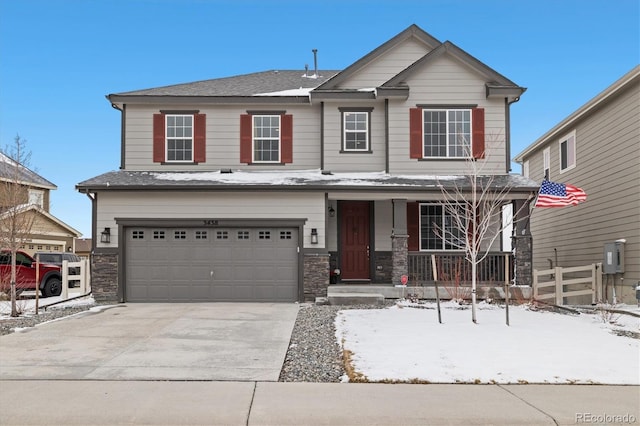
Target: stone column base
x=400 y=258
x=104 y=277
x=316 y=276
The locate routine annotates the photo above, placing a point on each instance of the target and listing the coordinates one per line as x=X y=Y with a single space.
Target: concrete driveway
x=169 y=341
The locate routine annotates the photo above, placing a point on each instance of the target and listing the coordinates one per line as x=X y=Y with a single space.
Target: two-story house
x=24 y=192
x=256 y=187
x=597 y=149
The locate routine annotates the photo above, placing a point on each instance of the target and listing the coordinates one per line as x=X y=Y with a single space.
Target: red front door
x=354 y=240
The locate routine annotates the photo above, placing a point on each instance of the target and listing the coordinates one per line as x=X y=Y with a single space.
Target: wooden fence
x=559 y=283
x=80 y=276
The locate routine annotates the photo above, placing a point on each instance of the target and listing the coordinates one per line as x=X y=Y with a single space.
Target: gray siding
x=222 y=137
x=608 y=169
x=446 y=82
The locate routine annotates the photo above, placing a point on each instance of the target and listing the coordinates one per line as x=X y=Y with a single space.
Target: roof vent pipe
x=315 y=61
x=306 y=70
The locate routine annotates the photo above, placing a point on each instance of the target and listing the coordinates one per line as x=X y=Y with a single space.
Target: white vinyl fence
x=559 y=283
x=82 y=280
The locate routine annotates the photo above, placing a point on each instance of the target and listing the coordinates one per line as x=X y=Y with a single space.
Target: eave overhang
x=206 y=100
x=326 y=95
x=513 y=93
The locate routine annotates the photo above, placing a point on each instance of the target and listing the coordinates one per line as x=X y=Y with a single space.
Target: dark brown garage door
x=211 y=264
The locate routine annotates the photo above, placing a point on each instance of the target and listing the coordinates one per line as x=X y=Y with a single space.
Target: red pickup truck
x=50 y=275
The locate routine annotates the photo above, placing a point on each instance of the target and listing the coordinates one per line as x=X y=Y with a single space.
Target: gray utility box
x=613 y=258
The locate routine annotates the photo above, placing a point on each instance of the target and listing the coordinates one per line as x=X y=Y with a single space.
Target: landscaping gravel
x=313 y=355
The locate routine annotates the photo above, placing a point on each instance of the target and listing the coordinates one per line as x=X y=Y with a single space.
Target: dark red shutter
x=286 y=138
x=477 y=138
x=415 y=133
x=199 y=138
x=413 y=226
x=158 y=138
x=246 y=142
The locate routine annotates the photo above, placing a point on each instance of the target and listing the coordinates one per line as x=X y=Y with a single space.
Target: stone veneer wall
x=400 y=253
x=316 y=275
x=104 y=276
x=383 y=267
x=523 y=245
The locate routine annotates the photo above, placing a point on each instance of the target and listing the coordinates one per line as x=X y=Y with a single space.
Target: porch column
x=522 y=243
x=399 y=242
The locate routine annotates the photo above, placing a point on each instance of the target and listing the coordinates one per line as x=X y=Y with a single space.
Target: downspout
x=508 y=130
x=122 y=129
x=322 y=136
x=386 y=135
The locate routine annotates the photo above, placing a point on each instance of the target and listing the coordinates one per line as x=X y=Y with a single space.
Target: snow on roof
x=296 y=177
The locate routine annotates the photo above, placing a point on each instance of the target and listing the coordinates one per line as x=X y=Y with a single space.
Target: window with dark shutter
x=179 y=137
x=266 y=138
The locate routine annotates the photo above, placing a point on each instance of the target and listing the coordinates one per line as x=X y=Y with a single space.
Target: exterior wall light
x=105 y=236
x=314 y=236
x=332 y=211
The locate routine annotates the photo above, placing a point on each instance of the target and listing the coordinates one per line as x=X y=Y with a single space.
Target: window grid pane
x=266 y=138
x=356 y=131
x=447 y=133
x=179 y=137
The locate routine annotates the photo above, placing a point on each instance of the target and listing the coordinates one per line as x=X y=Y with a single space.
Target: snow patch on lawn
x=405 y=343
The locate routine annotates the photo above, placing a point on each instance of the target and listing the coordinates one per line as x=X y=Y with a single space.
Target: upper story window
x=568 y=152
x=266 y=138
x=439 y=132
x=356 y=132
x=447 y=133
x=179 y=138
x=546 y=162
x=36 y=197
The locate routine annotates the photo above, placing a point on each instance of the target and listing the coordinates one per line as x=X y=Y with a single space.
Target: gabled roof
x=263 y=84
x=26 y=207
x=25 y=176
x=411 y=32
x=305 y=180
x=447 y=48
x=619 y=85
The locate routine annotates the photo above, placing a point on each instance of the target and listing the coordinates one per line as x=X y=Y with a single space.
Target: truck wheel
x=53 y=287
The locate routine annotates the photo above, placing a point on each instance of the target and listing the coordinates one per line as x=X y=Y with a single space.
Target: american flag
x=554 y=194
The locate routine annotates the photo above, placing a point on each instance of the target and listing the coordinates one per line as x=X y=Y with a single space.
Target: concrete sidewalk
x=35 y=402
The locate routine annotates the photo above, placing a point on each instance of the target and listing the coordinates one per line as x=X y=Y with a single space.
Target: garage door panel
x=224 y=264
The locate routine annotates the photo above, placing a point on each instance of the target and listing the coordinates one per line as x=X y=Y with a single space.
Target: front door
x=354 y=240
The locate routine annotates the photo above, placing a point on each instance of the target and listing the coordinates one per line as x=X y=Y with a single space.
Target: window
x=179 y=138
x=546 y=162
x=243 y=235
x=264 y=235
x=355 y=130
x=137 y=235
x=36 y=197
x=433 y=219
x=158 y=235
x=222 y=235
x=447 y=133
x=179 y=235
x=568 y=152
x=201 y=235
x=285 y=235
x=266 y=138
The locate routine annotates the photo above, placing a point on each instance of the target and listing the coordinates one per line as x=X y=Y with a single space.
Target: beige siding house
x=272 y=185
x=597 y=148
x=32 y=197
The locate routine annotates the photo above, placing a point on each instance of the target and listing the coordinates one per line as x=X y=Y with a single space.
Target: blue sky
x=59 y=58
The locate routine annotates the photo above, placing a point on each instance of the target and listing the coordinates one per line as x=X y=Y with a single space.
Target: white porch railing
x=83 y=277
x=559 y=283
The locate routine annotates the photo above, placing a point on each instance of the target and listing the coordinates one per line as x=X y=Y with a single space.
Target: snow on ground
x=406 y=342
x=28 y=306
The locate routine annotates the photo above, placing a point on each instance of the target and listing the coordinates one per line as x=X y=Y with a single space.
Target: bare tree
x=474 y=205
x=16 y=222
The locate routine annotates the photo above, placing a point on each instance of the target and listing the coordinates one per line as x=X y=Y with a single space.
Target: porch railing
x=453 y=268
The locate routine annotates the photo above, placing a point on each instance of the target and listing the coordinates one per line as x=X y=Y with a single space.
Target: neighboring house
x=83 y=247
x=255 y=187
x=48 y=233
x=597 y=148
